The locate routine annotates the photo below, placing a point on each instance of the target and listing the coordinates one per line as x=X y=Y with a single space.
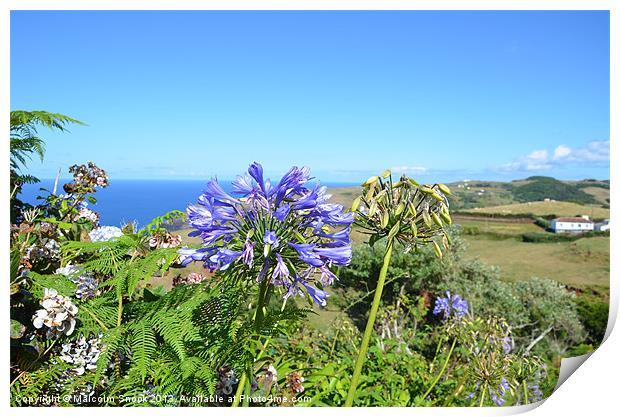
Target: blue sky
x=441 y=95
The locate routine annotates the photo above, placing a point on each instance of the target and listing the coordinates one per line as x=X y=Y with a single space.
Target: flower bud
x=444 y=189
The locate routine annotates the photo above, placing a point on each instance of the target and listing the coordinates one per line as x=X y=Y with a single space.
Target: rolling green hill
x=478 y=194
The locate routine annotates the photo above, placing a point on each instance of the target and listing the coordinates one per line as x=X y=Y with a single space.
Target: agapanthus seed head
x=411 y=213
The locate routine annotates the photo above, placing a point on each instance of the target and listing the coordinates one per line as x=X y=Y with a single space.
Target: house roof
x=573 y=220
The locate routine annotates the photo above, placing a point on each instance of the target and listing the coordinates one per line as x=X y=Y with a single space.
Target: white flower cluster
x=50 y=250
x=86 y=281
x=104 y=233
x=83 y=353
x=88 y=214
x=58 y=314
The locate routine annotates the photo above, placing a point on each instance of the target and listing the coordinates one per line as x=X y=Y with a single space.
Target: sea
x=125 y=201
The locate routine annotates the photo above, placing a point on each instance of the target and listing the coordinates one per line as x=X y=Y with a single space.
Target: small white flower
x=105 y=233
x=58 y=314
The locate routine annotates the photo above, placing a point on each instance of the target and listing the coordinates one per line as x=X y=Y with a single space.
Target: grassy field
x=545 y=208
x=584 y=262
x=601 y=194
x=489 y=226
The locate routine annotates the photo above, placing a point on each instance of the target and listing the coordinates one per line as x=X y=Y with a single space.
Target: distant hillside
x=476 y=194
x=539 y=188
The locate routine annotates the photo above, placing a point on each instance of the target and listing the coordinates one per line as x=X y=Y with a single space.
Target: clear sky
x=442 y=95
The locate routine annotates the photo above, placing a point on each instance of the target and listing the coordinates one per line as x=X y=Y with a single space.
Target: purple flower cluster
x=286 y=232
x=498 y=395
x=451 y=306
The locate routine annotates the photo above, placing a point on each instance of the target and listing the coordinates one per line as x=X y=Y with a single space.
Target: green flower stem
x=239 y=391
x=525 y=399
x=443 y=368
x=263 y=296
x=361 y=356
x=482 y=394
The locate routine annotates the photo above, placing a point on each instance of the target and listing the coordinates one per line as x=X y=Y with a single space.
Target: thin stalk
x=361 y=356
x=443 y=369
x=239 y=391
x=482 y=394
x=263 y=295
x=525 y=399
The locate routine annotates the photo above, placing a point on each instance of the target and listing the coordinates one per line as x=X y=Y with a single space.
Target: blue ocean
x=124 y=201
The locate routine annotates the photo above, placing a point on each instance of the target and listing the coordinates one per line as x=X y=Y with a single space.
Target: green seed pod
x=356 y=203
x=413 y=182
x=412 y=211
x=394 y=230
x=371 y=180
x=414 y=229
x=444 y=189
x=371 y=192
x=437 y=250
x=386 y=173
x=385 y=219
x=436 y=219
x=372 y=209
x=437 y=196
x=427 y=219
x=427 y=190
x=446 y=216
x=399 y=209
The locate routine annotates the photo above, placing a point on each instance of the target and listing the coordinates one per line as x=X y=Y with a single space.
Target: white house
x=572 y=225
x=602 y=226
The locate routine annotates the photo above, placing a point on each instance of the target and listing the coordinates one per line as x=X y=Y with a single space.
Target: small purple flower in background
x=286 y=233
x=535 y=393
x=507 y=345
x=498 y=397
x=451 y=306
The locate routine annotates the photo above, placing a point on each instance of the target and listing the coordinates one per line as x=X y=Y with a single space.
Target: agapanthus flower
x=286 y=232
x=105 y=233
x=58 y=314
x=451 y=306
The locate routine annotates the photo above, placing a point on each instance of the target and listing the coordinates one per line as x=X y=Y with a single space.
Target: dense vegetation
x=421 y=325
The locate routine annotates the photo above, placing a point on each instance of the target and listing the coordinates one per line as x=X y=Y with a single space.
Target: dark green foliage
x=538 y=188
x=593 y=310
x=558 y=237
x=25 y=143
